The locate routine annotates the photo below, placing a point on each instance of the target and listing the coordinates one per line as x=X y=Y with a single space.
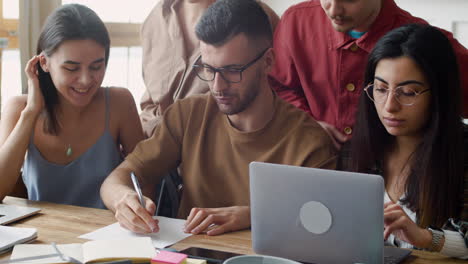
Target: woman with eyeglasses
x=409 y=130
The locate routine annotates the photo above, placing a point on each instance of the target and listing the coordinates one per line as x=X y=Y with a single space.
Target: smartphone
x=211 y=256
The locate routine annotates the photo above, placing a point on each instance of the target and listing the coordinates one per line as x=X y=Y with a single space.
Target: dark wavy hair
x=225 y=19
x=68 y=22
x=434 y=186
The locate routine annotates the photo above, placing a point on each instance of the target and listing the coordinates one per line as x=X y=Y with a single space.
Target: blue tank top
x=78 y=182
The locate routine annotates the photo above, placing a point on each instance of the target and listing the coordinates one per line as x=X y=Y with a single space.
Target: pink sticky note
x=167 y=257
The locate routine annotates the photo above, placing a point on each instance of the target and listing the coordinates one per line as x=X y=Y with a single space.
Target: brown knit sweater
x=213 y=156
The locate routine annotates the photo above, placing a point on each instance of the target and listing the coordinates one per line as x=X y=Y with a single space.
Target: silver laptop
x=11 y=213
x=318 y=216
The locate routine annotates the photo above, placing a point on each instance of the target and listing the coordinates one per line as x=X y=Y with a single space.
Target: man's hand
x=336 y=136
x=216 y=221
x=132 y=216
x=397 y=222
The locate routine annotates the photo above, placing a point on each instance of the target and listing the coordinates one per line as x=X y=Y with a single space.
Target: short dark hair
x=434 y=185
x=225 y=19
x=68 y=22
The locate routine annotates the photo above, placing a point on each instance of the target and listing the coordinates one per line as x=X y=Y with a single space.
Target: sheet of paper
x=170 y=232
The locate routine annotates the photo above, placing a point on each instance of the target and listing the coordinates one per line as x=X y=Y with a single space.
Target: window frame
x=121 y=35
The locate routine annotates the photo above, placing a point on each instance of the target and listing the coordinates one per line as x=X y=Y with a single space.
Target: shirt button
x=350 y=87
x=348 y=130
x=354 y=47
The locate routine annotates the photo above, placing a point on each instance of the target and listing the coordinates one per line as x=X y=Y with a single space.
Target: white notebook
x=10 y=236
x=11 y=213
x=139 y=250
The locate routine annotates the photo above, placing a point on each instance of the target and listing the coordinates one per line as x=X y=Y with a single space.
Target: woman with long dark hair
x=409 y=130
x=66 y=135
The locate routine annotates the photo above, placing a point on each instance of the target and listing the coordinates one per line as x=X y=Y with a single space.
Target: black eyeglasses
x=229 y=74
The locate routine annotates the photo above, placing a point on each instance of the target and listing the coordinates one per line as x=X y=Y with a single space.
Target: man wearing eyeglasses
x=321 y=49
x=170 y=48
x=213 y=138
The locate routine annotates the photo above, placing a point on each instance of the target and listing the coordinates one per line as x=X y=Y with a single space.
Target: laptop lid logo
x=315 y=217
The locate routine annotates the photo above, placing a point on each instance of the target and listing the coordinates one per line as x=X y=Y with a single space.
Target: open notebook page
x=33 y=250
x=136 y=249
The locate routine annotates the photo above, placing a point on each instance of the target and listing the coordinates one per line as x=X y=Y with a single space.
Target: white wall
x=451 y=15
x=281 y=5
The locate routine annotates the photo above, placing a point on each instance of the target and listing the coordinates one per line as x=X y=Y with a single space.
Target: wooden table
x=64 y=223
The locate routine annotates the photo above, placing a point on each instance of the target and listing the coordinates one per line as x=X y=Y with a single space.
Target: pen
x=136 y=185
x=29 y=258
x=65 y=258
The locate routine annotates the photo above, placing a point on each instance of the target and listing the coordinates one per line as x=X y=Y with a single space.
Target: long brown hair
x=434 y=186
x=68 y=22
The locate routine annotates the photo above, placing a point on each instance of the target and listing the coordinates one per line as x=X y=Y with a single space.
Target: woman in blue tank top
x=68 y=133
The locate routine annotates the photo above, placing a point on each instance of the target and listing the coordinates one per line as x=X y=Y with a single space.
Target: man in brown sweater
x=213 y=138
x=170 y=47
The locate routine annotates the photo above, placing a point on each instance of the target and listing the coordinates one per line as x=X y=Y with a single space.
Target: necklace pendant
x=69 y=151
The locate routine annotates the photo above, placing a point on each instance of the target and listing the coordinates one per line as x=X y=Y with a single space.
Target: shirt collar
x=168 y=7
x=382 y=24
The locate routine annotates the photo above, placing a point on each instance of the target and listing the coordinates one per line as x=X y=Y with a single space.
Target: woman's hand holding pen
x=35 y=101
x=132 y=216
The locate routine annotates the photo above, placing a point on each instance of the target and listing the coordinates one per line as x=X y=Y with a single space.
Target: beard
x=346 y=25
x=238 y=103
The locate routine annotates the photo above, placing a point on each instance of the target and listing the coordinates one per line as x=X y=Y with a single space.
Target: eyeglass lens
x=404 y=95
x=207 y=73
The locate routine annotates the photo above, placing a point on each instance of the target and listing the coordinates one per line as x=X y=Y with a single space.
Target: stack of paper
x=10 y=236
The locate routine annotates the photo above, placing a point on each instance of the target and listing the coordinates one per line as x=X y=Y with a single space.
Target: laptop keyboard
x=392 y=260
x=394 y=255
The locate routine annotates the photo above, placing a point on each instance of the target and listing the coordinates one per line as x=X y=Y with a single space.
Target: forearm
x=13 y=150
x=116 y=185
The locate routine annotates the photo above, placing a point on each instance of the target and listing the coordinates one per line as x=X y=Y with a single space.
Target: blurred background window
x=123 y=19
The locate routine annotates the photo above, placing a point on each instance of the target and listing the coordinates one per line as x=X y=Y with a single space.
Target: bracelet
x=437 y=238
